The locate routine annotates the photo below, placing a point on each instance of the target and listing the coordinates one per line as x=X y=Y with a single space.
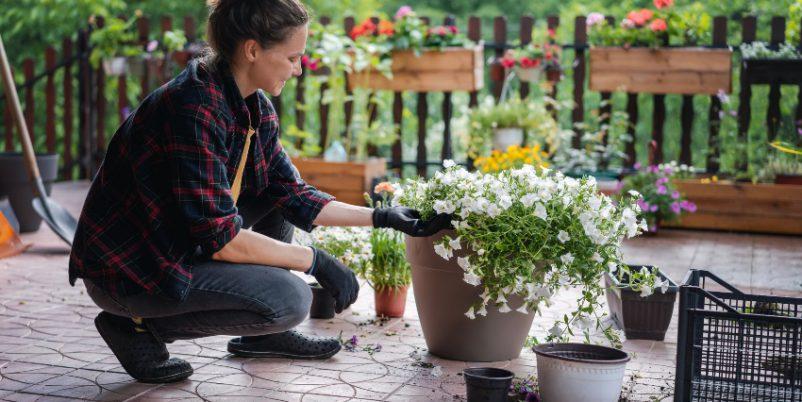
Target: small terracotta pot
x=390 y=302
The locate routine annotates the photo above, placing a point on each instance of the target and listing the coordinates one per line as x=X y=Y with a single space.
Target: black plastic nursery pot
x=487 y=384
x=641 y=317
x=14 y=183
x=322 y=302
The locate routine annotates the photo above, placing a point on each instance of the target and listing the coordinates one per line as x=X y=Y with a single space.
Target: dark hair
x=231 y=22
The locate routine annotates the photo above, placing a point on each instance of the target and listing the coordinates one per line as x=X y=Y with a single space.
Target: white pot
x=529 y=74
x=115 y=66
x=504 y=137
x=570 y=372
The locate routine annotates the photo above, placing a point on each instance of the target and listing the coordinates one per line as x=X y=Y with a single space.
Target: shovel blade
x=57 y=217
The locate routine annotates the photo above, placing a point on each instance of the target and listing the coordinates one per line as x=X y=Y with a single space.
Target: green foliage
x=529 y=115
x=117 y=38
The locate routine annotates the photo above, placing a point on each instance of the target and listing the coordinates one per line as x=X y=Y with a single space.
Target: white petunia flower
x=529 y=199
x=505 y=308
x=556 y=330
x=563 y=236
x=493 y=210
x=540 y=212
x=454 y=244
x=442 y=251
x=470 y=314
x=567 y=258
x=646 y=291
x=501 y=299
x=480 y=252
x=463 y=263
x=523 y=309
x=596 y=257
x=471 y=279
x=634 y=193
x=612 y=267
x=664 y=286
x=584 y=322
x=448 y=163
x=482 y=311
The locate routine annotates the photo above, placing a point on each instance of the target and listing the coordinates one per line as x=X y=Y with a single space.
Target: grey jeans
x=224 y=298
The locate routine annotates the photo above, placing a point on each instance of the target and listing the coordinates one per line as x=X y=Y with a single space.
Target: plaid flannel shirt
x=163 y=190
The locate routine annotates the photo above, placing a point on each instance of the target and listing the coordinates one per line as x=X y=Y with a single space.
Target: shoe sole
x=101 y=329
x=281 y=355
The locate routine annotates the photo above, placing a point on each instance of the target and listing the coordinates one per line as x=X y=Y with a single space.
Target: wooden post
x=66 y=53
x=500 y=41
x=446 y=151
x=474 y=34
x=143 y=27
x=553 y=22
x=348 y=108
x=748 y=35
x=774 y=114
x=8 y=125
x=525 y=36
x=50 y=101
x=85 y=110
x=189 y=29
x=323 y=108
x=30 y=107
x=714 y=150
x=581 y=40
x=632 y=111
x=606 y=109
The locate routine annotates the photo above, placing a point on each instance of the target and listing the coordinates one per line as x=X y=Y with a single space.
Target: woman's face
x=271 y=68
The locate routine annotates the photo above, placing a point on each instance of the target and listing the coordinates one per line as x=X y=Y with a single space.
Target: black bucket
x=14 y=183
x=322 y=302
x=487 y=384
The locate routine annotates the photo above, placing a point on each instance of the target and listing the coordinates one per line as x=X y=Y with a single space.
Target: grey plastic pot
x=571 y=372
x=14 y=183
x=442 y=298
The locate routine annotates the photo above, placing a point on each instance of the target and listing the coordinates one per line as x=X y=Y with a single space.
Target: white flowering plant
x=350 y=245
x=529 y=232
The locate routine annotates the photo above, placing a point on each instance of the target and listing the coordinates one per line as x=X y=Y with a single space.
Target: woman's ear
x=250 y=49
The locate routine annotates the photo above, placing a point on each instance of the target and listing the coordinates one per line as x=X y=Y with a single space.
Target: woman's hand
x=408 y=220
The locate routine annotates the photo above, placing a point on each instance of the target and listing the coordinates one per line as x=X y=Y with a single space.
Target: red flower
x=508 y=62
x=386 y=28
x=367 y=27
x=549 y=56
x=658 y=25
x=453 y=29
x=551 y=33
x=640 y=18
x=661 y=4
x=529 y=63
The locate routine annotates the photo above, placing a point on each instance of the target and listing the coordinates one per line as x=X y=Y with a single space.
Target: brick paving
x=50 y=350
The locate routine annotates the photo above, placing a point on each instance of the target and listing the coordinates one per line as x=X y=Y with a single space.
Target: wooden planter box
x=685 y=70
x=452 y=69
x=347 y=181
x=767 y=71
x=742 y=207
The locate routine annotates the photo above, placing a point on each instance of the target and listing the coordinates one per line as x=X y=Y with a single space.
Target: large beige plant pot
x=442 y=298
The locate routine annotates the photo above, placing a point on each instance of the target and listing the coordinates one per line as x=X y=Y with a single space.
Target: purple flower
x=637 y=166
x=721 y=115
x=722 y=96
x=675 y=208
x=688 y=206
x=654 y=208
x=152 y=45
x=654 y=169
x=125 y=112
x=799 y=131
x=644 y=206
x=734 y=113
x=661 y=181
x=402 y=12
x=668 y=170
x=594 y=19
x=662 y=189
x=675 y=195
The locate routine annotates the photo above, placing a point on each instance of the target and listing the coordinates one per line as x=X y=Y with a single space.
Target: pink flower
x=658 y=25
x=675 y=195
x=594 y=19
x=661 y=4
x=152 y=45
x=627 y=23
x=661 y=181
x=654 y=208
x=508 y=62
x=644 y=206
x=675 y=208
x=662 y=190
x=636 y=166
x=402 y=12
x=688 y=206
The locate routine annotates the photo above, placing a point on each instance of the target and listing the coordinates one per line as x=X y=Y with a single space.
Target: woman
x=161 y=244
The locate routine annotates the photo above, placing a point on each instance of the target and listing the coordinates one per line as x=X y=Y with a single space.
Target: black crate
x=734 y=346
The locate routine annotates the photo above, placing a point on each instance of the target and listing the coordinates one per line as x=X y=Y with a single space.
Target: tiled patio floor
x=49 y=348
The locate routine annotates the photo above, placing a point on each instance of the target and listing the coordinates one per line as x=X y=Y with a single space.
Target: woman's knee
x=287 y=304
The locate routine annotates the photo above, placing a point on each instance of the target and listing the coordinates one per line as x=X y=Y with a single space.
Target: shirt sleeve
x=299 y=202
x=194 y=143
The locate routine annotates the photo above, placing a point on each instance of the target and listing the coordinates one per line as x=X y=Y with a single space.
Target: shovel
x=58 y=218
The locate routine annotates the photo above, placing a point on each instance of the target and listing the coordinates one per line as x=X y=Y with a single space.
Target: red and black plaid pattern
x=163 y=190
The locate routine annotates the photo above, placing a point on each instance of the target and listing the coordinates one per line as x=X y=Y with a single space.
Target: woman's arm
x=249 y=247
x=338 y=213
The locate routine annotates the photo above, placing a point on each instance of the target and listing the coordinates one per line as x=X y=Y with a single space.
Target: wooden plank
x=632 y=111
x=423 y=114
x=398 y=122
x=323 y=108
x=189 y=28
x=143 y=28
x=580 y=40
x=525 y=37
x=348 y=108
x=500 y=42
x=474 y=34
x=686 y=122
x=84 y=105
x=452 y=69
x=50 y=101
x=748 y=35
x=553 y=22
x=347 y=181
x=773 y=114
x=446 y=151
x=677 y=70
x=714 y=150
x=30 y=107
x=606 y=108
x=66 y=52
x=798 y=116
x=769 y=208
x=658 y=126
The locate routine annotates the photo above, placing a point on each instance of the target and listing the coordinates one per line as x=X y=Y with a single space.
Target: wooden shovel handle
x=11 y=95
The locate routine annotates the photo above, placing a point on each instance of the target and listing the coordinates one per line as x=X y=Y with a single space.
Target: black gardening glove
x=408 y=220
x=335 y=277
